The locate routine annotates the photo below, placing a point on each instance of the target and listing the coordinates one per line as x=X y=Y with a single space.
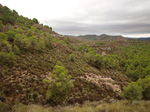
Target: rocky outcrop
x=100 y=80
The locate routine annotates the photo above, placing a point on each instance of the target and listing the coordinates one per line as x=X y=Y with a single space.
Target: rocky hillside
x=29 y=52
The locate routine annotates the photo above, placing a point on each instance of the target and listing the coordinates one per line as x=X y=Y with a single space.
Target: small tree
x=7 y=58
x=11 y=35
x=25 y=44
x=35 y=21
x=145 y=83
x=3 y=36
x=34 y=42
x=48 y=40
x=5 y=46
x=98 y=61
x=59 y=85
x=72 y=57
x=89 y=57
x=18 y=40
x=132 y=92
x=41 y=45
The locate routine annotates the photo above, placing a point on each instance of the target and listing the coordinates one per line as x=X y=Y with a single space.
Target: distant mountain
x=140 y=38
x=147 y=38
x=102 y=37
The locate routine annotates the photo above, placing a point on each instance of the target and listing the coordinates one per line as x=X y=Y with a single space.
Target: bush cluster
x=137 y=90
x=59 y=85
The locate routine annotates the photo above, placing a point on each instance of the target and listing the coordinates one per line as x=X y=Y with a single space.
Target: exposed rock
x=99 y=81
x=103 y=53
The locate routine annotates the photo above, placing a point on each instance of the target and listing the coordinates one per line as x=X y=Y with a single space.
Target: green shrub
x=48 y=40
x=67 y=40
x=7 y=58
x=25 y=44
x=99 y=61
x=59 y=85
x=16 y=49
x=145 y=83
x=30 y=33
x=48 y=27
x=8 y=16
x=34 y=41
x=11 y=35
x=19 y=30
x=5 y=46
x=89 y=57
x=41 y=45
x=146 y=71
x=35 y=21
x=1 y=26
x=3 y=36
x=18 y=40
x=72 y=57
x=133 y=91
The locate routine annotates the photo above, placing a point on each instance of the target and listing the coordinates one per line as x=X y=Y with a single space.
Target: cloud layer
x=123 y=17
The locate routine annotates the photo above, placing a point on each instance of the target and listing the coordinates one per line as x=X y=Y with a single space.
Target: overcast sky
x=75 y=17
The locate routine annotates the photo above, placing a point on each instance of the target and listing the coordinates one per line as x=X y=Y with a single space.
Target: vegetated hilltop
x=102 y=37
x=37 y=65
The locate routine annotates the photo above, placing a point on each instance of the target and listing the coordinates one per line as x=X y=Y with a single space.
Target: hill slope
x=29 y=52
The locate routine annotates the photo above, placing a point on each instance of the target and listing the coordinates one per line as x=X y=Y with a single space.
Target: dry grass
x=115 y=106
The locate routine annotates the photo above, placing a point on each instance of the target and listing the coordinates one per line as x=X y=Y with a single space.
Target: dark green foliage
x=41 y=45
x=145 y=83
x=34 y=41
x=48 y=40
x=8 y=15
x=16 y=49
x=101 y=61
x=7 y=58
x=11 y=35
x=89 y=56
x=3 y=36
x=132 y=92
x=35 y=21
x=98 y=60
x=72 y=57
x=135 y=59
x=146 y=71
x=24 y=21
x=59 y=85
x=30 y=33
x=26 y=44
x=84 y=48
x=18 y=40
x=5 y=46
x=19 y=31
x=48 y=27
x=1 y=26
x=67 y=40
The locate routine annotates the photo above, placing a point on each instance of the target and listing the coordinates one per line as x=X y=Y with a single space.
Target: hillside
x=102 y=37
x=35 y=62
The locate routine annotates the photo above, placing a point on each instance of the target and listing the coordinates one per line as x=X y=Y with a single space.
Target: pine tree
x=59 y=85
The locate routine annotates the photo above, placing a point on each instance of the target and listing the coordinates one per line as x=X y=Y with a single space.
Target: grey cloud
x=121 y=17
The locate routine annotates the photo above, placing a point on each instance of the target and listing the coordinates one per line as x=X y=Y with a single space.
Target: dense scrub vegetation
x=135 y=60
x=35 y=62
